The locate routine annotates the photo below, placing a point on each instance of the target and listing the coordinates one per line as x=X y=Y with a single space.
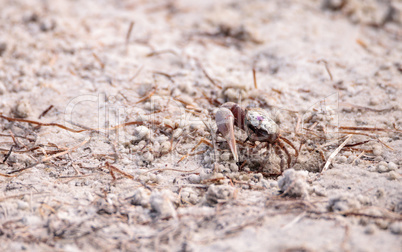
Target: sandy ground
x=131 y=87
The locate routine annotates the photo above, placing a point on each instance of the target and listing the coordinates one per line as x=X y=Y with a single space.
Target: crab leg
x=225 y=121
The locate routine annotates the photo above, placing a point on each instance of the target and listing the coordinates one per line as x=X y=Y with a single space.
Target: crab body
x=256 y=122
x=260 y=127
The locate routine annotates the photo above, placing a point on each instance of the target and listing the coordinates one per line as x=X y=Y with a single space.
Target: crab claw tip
x=225 y=120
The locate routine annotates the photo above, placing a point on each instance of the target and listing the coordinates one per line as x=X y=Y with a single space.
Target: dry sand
x=328 y=72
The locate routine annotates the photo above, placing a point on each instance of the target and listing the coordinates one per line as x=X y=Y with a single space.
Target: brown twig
x=102 y=65
x=333 y=154
x=365 y=108
x=146 y=97
x=326 y=68
x=130 y=29
x=373 y=136
x=209 y=78
x=154 y=53
x=358 y=157
x=255 y=79
x=169 y=76
x=8 y=154
x=52 y=157
x=114 y=168
x=137 y=73
x=39 y=123
x=45 y=112
x=368 y=129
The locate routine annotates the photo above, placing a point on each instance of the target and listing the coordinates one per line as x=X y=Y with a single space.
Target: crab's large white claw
x=225 y=121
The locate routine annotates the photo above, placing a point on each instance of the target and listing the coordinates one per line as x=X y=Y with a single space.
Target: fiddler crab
x=258 y=125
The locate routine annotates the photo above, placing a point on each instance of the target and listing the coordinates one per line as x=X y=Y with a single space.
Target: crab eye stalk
x=225 y=120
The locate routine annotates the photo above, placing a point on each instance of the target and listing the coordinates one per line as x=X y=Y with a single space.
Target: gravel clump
x=293 y=183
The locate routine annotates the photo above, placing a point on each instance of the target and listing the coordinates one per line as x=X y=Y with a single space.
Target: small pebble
x=3 y=48
x=382 y=224
x=168 y=122
x=177 y=133
x=273 y=184
x=265 y=183
x=197 y=125
x=225 y=170
x=392 y=166
x=152 y=177
x=207 y=159
x=225 y=156
x=162 y=204
x=218 y=193
x=380 y=193
x=370 y=229
x=22 y=205
x=219 y=168
x=165 y=147
x=194 y=179
x=186 y=87
x=396 y=228
x=294 y=183
x=148 y=157
x=22 y=109
x=159 y=178
x=141 y=145
x=342 y=159
x=141 y=132
x=333 y=4
x=393 y=175
x=377 y=150
x=233 y=167
x=374 y=101
x=3 y=88
x=156 y=147
x=47 y=25
x=382 y=167
x=364 y=200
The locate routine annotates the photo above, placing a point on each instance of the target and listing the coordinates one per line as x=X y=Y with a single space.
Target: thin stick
x=373 y=136
x=169 y=169
x=368 y=129
x=358 y=157
x=294 y=221
x=169 y=76
x=114 y=168
x=326 y=68
x=52 y=157
x=8 y=154
x=291 y=145
x=333 y=154
x=7 y=176
x=16 y=142
x=298 y=124
x=149 y=95
x=255 y=79
x=154 y=53
x=137 y=73
x=45 y=112
x=130 y=28
x=102 y=65
x=209 y=78
x=39 y=123
x=365 y=108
